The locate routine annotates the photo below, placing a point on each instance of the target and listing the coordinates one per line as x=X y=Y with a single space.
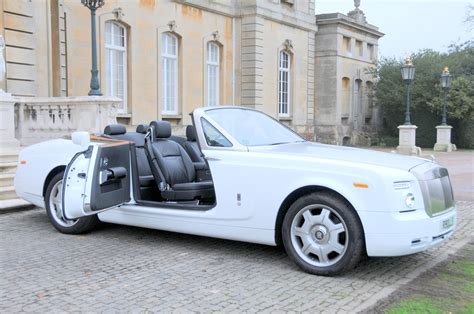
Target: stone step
x=8 y=167
x=7 y=193
x=13 y=205
x=9 y=154
x=6 y=179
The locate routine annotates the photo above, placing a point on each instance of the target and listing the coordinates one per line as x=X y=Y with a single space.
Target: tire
x=323 y=235
x=54 y=210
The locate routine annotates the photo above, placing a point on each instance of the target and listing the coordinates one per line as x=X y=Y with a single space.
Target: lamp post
x=407 y=131
x=408 y=72
x=93 y=5
x=445 y=80
x=443 y=131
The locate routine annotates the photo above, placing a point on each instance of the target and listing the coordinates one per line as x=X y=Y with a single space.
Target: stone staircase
x=362 y=138
x=8 y=163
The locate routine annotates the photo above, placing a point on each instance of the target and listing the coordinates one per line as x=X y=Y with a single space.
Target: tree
x=460 y=102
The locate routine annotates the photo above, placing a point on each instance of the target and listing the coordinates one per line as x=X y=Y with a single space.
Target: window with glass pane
x=284 y=85
x=116 y=62
x=212 y=74
x=169 y=60
x=213 y=136
x=251 y=127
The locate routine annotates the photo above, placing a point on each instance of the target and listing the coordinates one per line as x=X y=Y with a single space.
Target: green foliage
x=464 y=132
x=389 y=141
x=426 y=121
x=416 y=305
x=460 y=100
x=426 y=95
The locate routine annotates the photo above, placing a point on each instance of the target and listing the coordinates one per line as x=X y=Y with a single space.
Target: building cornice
x=297 y=19
x=338 y=18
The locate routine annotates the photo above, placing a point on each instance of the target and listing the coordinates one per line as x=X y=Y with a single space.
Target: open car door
x=97 y=179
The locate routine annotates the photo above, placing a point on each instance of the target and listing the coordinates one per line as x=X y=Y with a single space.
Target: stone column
x=7 y=121
x=407 y=140
x=252 y=61
x=443 y=139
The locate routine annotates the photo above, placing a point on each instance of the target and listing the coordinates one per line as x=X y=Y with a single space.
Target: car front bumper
x=404 y=233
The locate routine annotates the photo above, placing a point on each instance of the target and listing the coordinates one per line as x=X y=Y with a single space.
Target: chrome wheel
x=319 y=235
x=55 y=205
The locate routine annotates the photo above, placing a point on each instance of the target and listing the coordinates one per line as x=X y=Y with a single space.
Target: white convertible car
x=241 y=175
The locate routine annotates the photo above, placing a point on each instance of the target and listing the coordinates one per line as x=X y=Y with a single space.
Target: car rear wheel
x=322 y=234
x=53 y=201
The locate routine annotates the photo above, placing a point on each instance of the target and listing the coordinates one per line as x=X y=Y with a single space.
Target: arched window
x=369 y=92
x=357 y=103
x=284 y=84
x=213 y=68
x=346 y=97
x=116 y=62
x=169 y=60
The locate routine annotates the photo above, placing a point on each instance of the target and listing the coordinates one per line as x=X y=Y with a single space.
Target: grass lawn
x=447 y=288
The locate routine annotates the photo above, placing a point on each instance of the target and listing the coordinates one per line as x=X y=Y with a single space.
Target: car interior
x=168 y=169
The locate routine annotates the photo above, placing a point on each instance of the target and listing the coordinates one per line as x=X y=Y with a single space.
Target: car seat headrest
x=142 y=128
x=191 y=133
x=115 y=129
x=162 y=129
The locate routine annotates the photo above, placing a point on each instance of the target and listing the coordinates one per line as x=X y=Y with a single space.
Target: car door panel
x=74 y=184
x=111 y=177
x=97 y=179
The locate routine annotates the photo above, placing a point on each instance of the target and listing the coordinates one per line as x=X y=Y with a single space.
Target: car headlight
x=410 y=200
x=405 y=191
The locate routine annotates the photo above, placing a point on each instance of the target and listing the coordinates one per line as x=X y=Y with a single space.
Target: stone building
x=346 y=48
x=163 y=58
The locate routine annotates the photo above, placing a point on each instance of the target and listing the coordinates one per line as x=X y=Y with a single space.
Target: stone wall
x=18 y=28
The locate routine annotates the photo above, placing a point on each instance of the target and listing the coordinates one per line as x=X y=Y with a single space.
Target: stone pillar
x=443 y=139
x=7 y=121
x=407 y=140
x=252 y=61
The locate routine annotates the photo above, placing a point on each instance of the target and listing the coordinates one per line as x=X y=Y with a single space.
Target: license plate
x=447 y=223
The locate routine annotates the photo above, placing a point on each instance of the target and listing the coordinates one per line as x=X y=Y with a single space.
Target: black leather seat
x=119 y=132
x=173 y=170
x=191 y=145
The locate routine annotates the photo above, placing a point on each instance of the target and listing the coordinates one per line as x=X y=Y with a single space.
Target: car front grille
x=436 y=189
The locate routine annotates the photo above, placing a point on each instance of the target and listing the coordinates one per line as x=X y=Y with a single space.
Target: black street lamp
x=93 y=5
x=408 y=72
x=445 y=80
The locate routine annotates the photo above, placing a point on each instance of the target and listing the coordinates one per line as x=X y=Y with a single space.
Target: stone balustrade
x=41 y=118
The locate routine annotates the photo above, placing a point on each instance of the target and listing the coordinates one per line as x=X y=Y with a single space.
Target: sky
x=410 y=25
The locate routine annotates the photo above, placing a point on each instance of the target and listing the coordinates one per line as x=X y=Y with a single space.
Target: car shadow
x=221 y=251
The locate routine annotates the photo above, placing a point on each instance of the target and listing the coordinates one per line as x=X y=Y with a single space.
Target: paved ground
x=461 y=172
x=122 y=268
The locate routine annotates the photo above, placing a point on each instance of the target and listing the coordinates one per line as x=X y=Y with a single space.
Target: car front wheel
x=322 y=234
x=53 y=201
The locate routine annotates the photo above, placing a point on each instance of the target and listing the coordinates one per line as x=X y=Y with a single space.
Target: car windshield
x=253 y=128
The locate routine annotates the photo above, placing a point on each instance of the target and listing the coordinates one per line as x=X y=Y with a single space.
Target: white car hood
x=343 y=153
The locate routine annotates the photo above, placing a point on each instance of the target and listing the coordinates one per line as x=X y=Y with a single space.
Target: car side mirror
x=81 y=138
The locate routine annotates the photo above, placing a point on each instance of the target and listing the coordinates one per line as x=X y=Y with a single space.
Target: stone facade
x=48 y=55
x=346 y=48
